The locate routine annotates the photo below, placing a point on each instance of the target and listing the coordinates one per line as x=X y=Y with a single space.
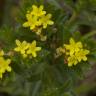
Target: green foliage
x=45 y=75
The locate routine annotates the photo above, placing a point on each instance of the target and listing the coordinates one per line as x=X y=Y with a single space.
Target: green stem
x=8 y=7
x=89 y=35
x=73 y=18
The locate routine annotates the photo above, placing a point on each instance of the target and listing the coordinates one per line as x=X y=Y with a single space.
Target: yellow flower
x=73 y=46
x=45 y=20
x=81 y=55
x=33 y=49
x=43 y=37
x=60 y=51
x=32 y=22
x=72 y=60
x=38 y=11
x=37 y=19
x=75 y=52
x=4 y=66
x=38 y=31
x=27 y=48
x=21 y=47
x=77 y=57
x=1 y=53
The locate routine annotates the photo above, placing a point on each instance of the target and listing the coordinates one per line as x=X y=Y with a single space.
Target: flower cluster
x=37 y=19
x=60 y=51
x=74 y=52
x=4 y=64
x=26 y=48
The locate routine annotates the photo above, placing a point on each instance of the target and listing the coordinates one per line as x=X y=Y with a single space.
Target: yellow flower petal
x=41 y=7
x=79 y=44
x=72 y=41
x=38 y=48
x=1 y=53
x=34 y=54
x=9 y=69
x=85 y=58
x=26 y=24
x=8 y=61
x=34 y=43
x=17 y=49
x=18 y=43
